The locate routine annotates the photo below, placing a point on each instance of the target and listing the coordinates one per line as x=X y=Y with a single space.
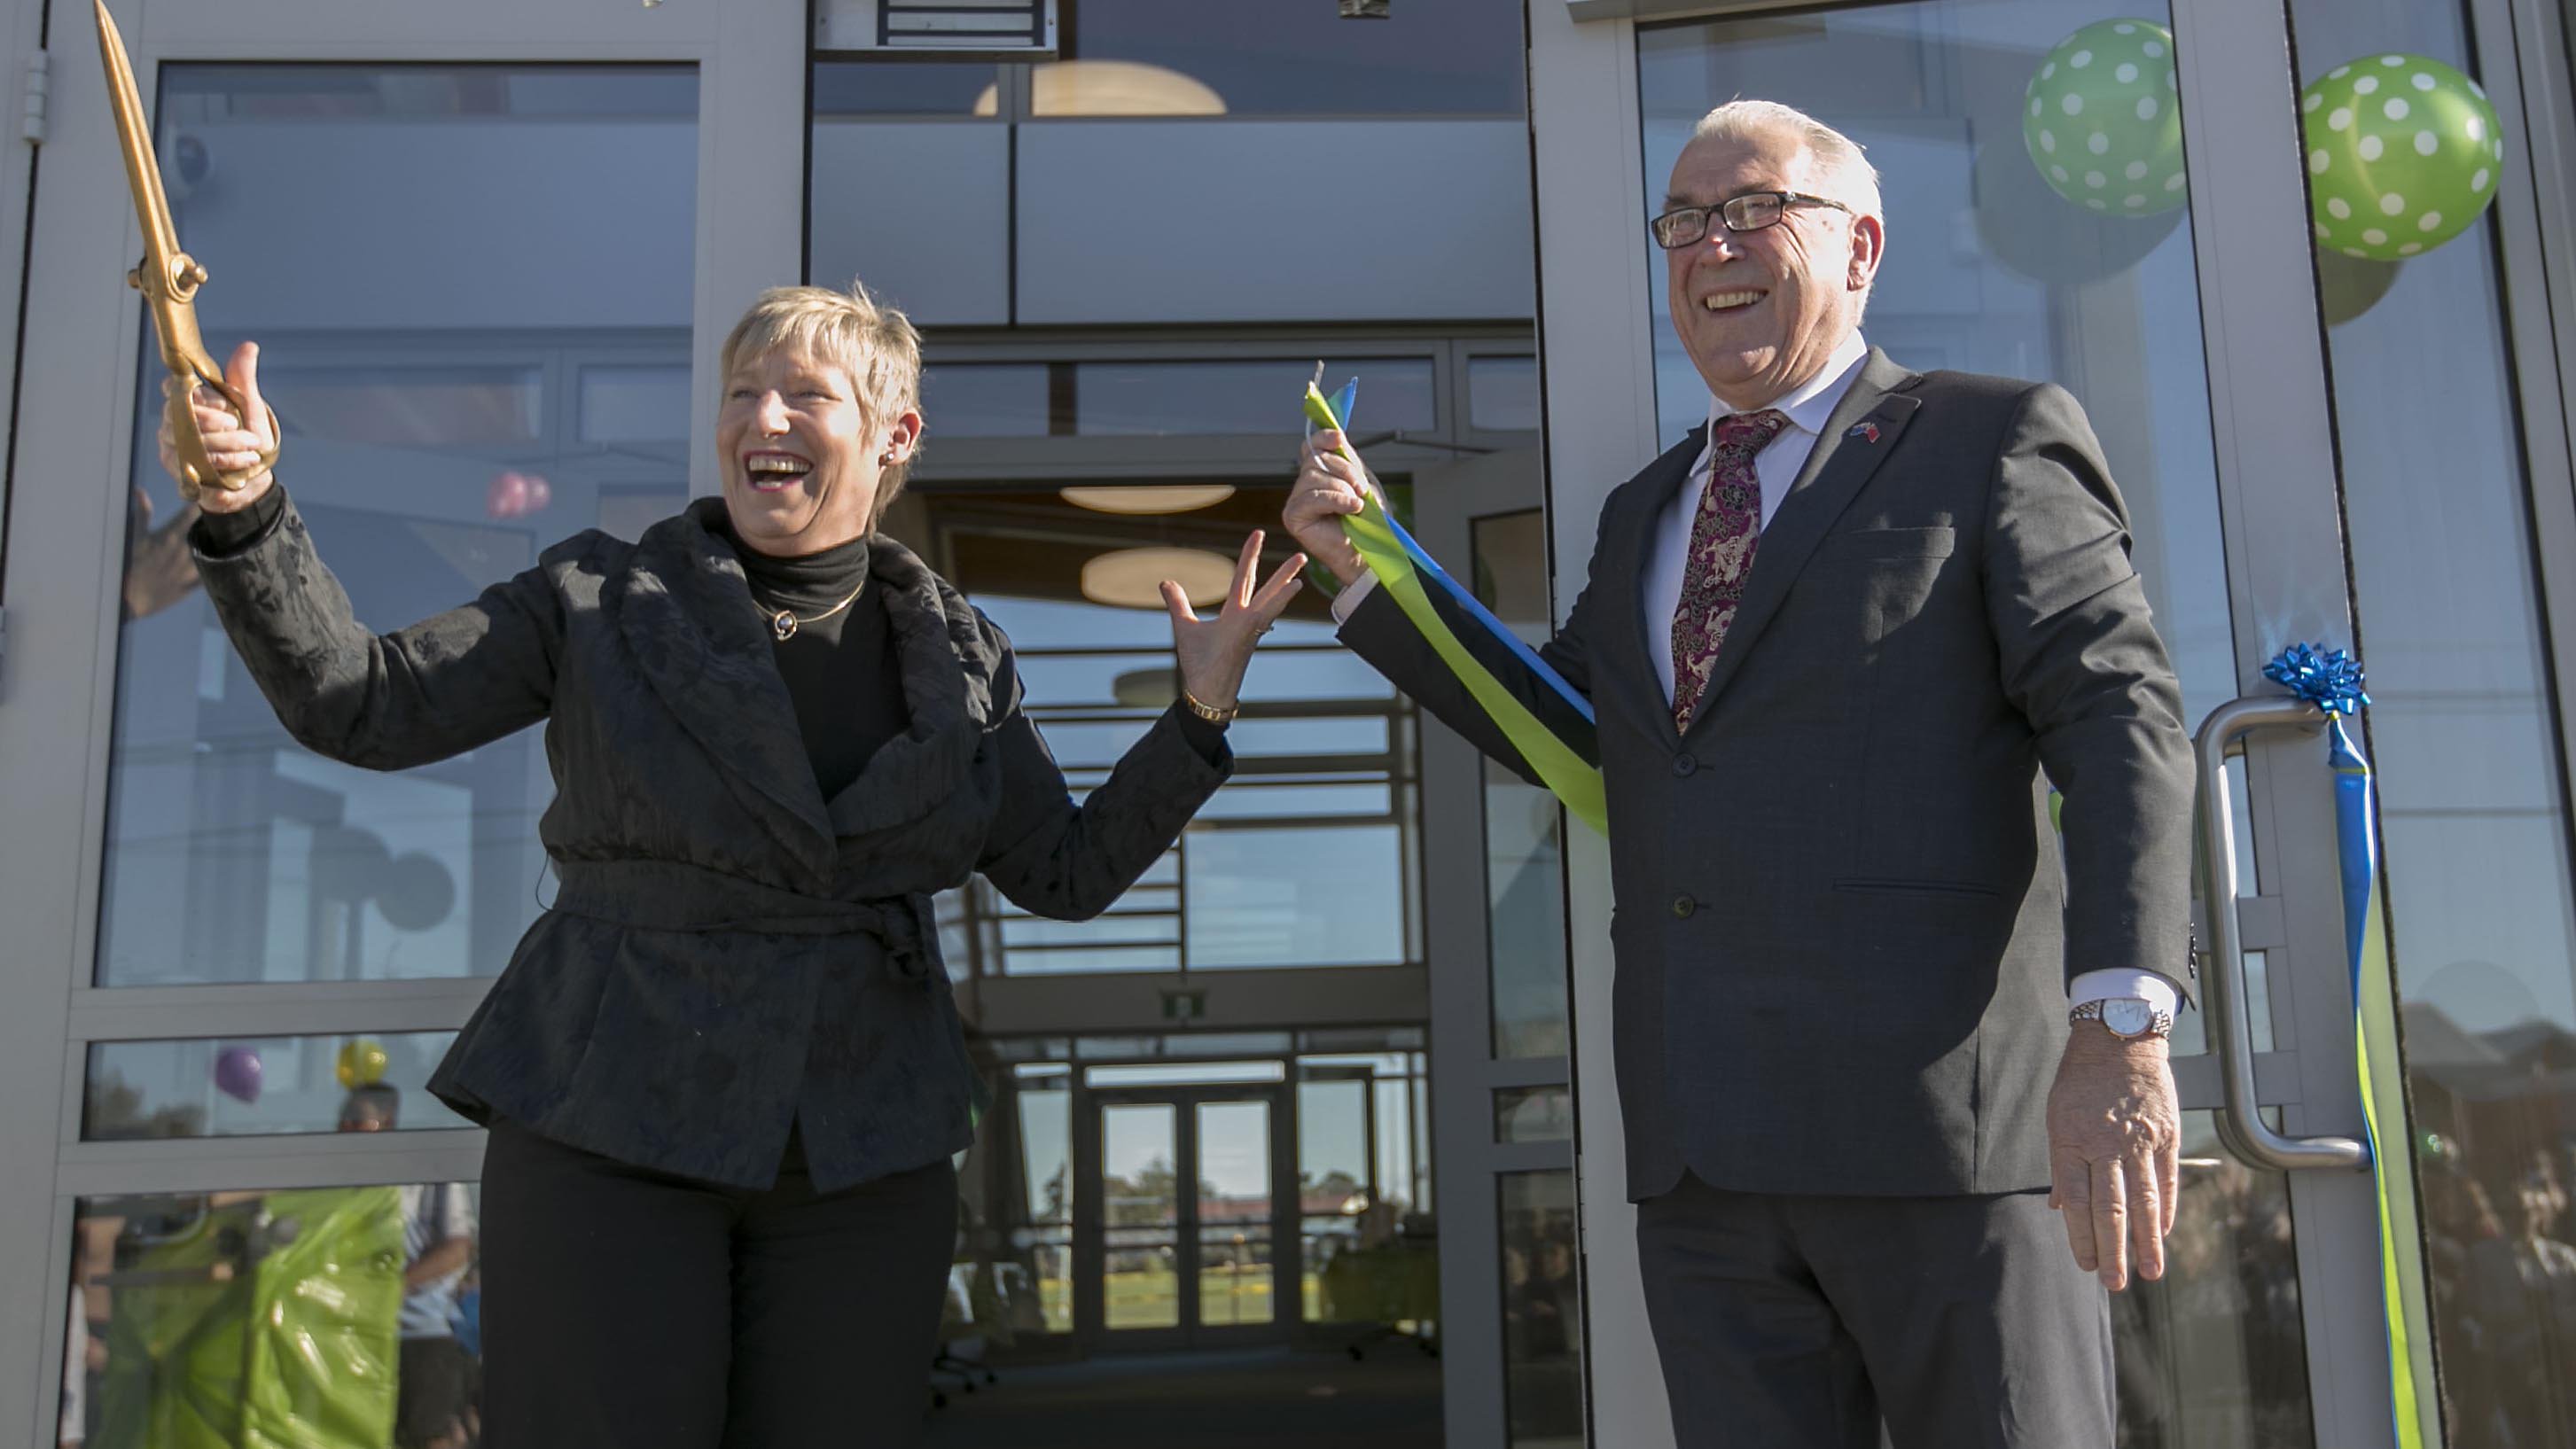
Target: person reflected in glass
x=723 y=1072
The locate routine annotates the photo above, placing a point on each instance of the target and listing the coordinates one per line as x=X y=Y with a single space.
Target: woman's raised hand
x=1212 y=653
x=233 y=443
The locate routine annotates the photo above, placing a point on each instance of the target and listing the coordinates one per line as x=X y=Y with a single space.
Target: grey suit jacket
x=729 y=951
x=1841 y=931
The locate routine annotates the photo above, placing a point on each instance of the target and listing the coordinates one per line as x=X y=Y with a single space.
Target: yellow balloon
x=362 y=1063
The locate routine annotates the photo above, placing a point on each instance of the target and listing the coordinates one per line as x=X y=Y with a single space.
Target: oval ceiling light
x=1132 y=578
x=1144 y=498
x=1109 y=88
x=1146 y=688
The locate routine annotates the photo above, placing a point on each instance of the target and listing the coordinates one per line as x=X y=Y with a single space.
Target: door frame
x=1091 y=1333
x=57 y=693
x=1449 y=499
x=2280 y=507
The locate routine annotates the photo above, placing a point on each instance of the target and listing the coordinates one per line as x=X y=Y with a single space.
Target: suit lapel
x=698 y=638
x=1859 y=435
x=1634 y=542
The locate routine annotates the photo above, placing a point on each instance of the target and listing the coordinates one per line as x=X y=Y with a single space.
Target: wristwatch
x=2126 y=1017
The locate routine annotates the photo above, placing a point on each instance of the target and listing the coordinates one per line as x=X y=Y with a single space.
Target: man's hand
x=1329 y=488
x=2114 y=1152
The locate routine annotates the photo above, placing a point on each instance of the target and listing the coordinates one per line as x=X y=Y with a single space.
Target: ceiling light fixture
x=1132 y=578
x=1146 y=498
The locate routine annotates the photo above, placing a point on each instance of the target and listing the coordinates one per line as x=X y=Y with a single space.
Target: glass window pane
x=905 y=87
x=261 y=1085
x=1171 y=399
x=432 y=447
x=635 y=404
x=1234 y=1207
x=330 y=1305
x=2462 y=733
x=2213 y=1352
x=1542 y=1309
x=980 y=400
x=1140 y=1215
x=1502 y=394
x=1524 y=858
x=1533 y=1114
x=1327 y=896
x=1284 y=58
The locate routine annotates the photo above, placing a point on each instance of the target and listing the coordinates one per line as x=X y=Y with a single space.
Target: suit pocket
x=1892 y=543
x=1934 y=888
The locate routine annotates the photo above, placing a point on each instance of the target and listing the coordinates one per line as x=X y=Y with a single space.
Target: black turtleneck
x=843 y=673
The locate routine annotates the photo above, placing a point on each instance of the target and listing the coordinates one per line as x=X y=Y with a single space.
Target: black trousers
x=1802 y=1321
x=630 y=1309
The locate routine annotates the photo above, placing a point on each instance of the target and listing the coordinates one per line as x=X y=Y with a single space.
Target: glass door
x=2107 y=196
x=1177 y=1219
x=490 y=249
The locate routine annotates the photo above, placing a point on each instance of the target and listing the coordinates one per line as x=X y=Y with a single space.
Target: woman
x=723 y=1073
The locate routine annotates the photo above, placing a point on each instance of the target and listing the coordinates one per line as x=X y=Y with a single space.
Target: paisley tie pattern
x=1723 y=534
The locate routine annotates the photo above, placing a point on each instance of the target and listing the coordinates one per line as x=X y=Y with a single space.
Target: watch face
x=2127 y=1015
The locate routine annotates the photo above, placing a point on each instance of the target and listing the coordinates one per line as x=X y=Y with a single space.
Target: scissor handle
x=197 y=470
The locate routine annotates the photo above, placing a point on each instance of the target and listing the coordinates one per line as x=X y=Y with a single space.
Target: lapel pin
x=1866 y=432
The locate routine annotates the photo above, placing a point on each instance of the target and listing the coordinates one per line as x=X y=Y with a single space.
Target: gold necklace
x=785 y=624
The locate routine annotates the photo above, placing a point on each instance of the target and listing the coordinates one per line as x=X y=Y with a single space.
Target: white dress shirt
x=1777 y=467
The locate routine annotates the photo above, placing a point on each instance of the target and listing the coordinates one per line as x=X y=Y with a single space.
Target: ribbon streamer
x=1545 y=718
x=2331 y=680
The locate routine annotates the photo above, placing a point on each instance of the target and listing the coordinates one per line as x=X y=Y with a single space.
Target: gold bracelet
x=1209 y=712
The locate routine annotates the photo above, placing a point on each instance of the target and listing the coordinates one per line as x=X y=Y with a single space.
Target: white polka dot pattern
x=2400 y=151
x=2107 y=91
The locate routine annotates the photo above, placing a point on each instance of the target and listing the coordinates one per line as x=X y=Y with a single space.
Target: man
x=1844 y=938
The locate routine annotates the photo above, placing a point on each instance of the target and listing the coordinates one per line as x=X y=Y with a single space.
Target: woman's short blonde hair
x=875 y=343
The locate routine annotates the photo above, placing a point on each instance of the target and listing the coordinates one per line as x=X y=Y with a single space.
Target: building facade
x=1331 y=1085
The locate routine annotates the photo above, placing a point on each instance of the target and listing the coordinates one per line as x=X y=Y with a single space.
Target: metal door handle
x=2240 y=1119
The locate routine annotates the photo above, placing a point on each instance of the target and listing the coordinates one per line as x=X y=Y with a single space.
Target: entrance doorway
x=1177 y=1239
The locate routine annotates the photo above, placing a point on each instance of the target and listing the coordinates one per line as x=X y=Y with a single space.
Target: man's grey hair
x=1843 y=170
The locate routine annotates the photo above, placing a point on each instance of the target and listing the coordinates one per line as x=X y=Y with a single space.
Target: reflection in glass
x=1234 y=1267
x=1524 y=858
x=358 y=1307
x=2213 y=1353
x=2466 y=746
x=1428 y=57
x=1533 y=1114
x=235 y=1087
x=1298 y=860
x=987 y=400
x=1542 y=1309
x=1502 y=394
x=1140 y=1206
x=1333 y=1181
x=438 y=435
x=904 y=87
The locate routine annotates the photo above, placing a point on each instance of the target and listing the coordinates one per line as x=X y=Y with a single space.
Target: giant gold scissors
x=169 y=278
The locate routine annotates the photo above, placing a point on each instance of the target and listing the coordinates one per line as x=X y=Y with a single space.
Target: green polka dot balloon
x=2403 y=154
x=2103 y=122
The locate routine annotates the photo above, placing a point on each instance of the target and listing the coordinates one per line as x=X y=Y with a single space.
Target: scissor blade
x=142 y=170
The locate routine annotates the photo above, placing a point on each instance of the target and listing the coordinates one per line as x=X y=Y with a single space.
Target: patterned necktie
x=1723 y=534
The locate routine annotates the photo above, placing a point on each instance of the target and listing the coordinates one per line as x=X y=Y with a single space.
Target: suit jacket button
x=1683 y=906
x=1685 y=765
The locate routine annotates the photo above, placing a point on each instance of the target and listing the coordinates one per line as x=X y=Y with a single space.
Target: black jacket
x=1843 y=926
x=729 y=952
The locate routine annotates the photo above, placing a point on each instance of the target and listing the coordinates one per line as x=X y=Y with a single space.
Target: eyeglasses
x=1752 y=211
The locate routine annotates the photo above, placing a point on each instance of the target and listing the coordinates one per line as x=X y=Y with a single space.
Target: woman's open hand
x=1212 y=653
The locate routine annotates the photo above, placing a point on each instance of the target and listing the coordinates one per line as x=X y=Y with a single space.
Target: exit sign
x=1184 y=1005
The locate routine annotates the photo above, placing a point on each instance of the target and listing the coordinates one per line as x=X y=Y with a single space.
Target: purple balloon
x=237 y=1073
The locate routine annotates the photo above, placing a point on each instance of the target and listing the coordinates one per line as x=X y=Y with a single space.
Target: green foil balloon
x=2403 y=153
x=2102 y=120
